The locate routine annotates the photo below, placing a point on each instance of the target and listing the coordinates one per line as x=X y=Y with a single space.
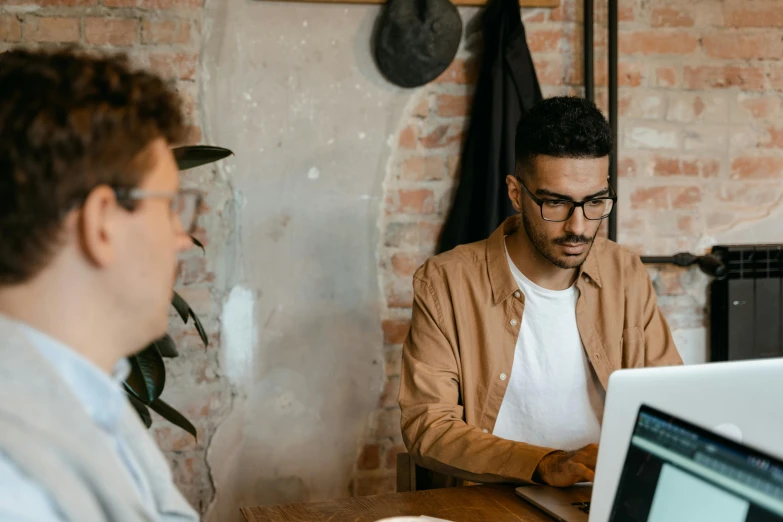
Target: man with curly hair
x=89 y=201
x=513 y=338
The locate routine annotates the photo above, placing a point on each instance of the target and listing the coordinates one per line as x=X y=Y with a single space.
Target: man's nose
x=577 y=223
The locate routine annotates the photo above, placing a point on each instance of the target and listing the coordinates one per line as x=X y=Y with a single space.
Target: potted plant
x=147 y=377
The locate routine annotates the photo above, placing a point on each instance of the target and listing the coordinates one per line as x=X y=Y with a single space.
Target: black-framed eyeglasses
x=185 y=203
x=558 y=210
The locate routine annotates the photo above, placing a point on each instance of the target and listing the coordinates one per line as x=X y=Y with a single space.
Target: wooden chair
x=412 y=477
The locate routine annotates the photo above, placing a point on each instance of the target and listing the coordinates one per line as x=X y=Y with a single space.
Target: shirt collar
x=500 y=277
x=101 y=395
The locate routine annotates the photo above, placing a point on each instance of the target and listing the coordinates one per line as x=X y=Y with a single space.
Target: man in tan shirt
x=491 y=394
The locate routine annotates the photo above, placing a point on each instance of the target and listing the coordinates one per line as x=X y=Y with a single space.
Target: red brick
x=422 y=168
x=111 y=31
x=193 y=270
x=442 y=136
x=52 y=29
x=411 y=201
x=717 y=77
x=671 y=17
x=760 y=108
x=10 y=29
x=626 y=168
x=165 y=31
x=391 y=455
x=393 y=360
x=544 y=40
x=772 y=138
x=686 y=197
x=155 y=4
x=370 y=457
x=753 y=14
x=658 y=42
x=51 y=3
x=741 y=194
x=666 y=76
x=652 y=198
x=776 y=76
x=395 y=330
x=460 y=71
x=534 y=17
x=668 y=282
x=450 y=106
x=404 y=265
x=409 y=137
x=550 y=71
x=416 y=235
x=366 y=486
x=391 y=392
x=629 y=74
x=757 y=168
x=175 y=65
x=743 y=46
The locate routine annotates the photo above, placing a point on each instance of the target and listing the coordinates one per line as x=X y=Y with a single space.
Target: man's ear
x=514 y=192
x=97 y=226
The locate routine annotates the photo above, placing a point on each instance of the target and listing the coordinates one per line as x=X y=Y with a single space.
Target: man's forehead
x=570 y=176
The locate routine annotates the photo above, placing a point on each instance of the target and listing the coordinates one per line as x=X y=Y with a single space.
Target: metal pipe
x=587 y=52
x=613 y=109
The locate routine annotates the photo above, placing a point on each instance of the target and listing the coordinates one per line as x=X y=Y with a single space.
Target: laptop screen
x=677 y=472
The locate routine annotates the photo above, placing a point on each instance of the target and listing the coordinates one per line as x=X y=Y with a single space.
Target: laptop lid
x=740 y=400
x=677 y=472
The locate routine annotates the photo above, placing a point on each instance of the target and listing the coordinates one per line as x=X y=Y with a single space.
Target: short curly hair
x=562 y=127
x=69 y=122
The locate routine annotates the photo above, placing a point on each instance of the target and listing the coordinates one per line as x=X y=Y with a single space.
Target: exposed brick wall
x=701 y=150
x=166 y=36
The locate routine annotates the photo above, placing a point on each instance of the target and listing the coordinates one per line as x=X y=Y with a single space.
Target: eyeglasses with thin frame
x=559 y=210
x=184 y=203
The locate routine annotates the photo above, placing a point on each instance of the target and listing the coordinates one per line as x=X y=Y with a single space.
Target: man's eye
x=595 y=203
x=555 y=203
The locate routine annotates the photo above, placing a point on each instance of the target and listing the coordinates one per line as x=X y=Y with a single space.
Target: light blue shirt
x=103 y=398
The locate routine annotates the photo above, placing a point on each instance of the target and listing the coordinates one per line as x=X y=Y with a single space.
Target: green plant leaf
x=148 y=374
x=192 y=156
x=202 y=333
x=166 y=346
x=141 y=409
x=173 y=416
x=183 y=308
x=198 y=243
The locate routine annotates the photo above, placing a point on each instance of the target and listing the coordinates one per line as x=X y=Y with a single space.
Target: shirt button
x=502 y=376
x=485 y=430
x=513 y=322
x=517 y=294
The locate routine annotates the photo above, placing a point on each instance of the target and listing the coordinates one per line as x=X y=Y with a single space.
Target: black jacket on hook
x=507 y=87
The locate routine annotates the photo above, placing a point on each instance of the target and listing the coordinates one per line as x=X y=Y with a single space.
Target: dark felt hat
x=416 y=40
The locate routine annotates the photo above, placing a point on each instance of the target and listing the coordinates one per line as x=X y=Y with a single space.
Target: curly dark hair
x=562 y=127
x=69 y=122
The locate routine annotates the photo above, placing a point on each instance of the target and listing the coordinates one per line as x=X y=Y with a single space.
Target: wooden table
x=465 y=504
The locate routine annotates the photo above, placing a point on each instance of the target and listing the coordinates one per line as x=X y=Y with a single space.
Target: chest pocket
x=633 y=348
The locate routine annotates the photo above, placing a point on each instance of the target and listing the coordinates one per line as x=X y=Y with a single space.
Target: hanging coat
x=507 y=87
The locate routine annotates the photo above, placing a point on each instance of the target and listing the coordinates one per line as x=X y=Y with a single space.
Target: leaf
x=166 y=346
x=200 y=328
x=192 y=156
x=148 y=374
x=141 y=409
x=198 y=243
x=183 y=308
x=173 y=416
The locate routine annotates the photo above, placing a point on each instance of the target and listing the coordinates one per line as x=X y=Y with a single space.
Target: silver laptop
x=739 y=400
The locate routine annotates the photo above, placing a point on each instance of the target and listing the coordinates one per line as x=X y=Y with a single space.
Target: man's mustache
x=572 y=240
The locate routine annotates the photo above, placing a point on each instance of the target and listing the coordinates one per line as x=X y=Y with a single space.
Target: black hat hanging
x=416 y=40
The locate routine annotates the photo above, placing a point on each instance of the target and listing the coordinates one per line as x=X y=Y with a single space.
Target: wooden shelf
x=522 y=3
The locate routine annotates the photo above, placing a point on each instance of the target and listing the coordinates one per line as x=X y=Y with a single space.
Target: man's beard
x=545 y=246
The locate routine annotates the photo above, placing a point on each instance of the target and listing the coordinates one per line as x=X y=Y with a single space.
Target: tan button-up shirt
x=467 y=311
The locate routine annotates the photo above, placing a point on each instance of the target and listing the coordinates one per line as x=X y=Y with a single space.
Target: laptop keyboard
x=584 y=507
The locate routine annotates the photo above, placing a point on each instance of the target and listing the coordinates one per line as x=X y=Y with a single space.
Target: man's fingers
x=582 y=473
x=587 y=456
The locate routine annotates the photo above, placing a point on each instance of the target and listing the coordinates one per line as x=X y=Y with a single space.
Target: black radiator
x=746 y=304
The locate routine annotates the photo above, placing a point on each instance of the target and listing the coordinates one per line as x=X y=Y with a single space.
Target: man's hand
x=566 y=468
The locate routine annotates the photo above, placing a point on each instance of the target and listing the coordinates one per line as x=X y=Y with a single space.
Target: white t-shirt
x=554 y=398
